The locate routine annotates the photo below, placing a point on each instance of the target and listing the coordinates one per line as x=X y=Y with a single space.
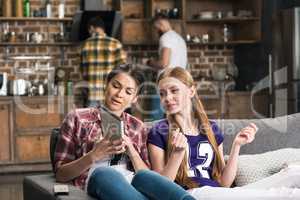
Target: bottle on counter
x=48 y=9
x=69 y=88
x=26 y=8
x=61 y=9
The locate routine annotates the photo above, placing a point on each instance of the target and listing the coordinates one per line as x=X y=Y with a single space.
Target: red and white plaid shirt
x=82 y=127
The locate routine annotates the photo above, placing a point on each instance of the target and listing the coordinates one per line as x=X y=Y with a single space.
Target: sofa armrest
x=41 y=187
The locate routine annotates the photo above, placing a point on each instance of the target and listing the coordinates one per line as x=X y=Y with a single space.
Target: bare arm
x=245 y=136
x=71 y=170
x=158 y=164
x=230 y=169
x=163 y=61
x=157 y=157
x=134 y=156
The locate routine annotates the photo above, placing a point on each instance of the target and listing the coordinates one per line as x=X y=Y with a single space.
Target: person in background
x=99 y=55
x=103 y=167
x=172 y=47
x=172 y=53
x=187 y=148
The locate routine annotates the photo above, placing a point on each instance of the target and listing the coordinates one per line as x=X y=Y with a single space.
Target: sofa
x=273 y=133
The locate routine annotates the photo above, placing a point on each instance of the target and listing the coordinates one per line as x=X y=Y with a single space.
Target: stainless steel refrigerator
x=285 y=62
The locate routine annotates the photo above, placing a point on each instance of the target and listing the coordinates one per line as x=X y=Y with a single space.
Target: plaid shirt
x=99 y=55
x=81 y=128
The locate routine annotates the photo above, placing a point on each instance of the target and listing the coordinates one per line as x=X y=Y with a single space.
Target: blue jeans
x=93 y=103
x=106 y=183
x=157 y=112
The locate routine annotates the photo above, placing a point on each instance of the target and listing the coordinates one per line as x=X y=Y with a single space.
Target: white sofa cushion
x=255 y=167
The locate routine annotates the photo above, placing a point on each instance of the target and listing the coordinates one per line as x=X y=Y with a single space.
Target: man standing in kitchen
x=99 y=55
x=172 y=47
x=172 y=53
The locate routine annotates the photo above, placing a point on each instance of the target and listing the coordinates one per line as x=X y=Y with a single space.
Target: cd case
x=112 y=125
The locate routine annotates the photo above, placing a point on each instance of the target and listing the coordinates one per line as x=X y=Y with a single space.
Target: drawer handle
x=2 y=107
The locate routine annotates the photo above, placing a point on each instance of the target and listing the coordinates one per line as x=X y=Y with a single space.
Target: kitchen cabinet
x=236 y=105
x=241 y=106
x=198 y=19
x=5 y=132
x=24 y=141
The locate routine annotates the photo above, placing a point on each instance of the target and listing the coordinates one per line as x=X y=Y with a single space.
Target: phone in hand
x=111 y=124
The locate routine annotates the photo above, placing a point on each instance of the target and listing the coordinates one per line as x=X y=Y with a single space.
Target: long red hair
x=199 y=114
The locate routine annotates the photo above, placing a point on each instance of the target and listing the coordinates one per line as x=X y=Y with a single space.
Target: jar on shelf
x=19 y=8
x=7 y=8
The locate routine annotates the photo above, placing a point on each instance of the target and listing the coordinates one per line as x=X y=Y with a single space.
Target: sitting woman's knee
x=102 y=172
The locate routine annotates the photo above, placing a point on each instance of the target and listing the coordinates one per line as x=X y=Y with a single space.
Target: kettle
x=19 y=87
x=3 y=84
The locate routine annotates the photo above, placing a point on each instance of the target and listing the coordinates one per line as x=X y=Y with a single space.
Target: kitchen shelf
x=137 y=19
x=244 y=30
x=56 y=19
x=37 y=44
x=140 y=43
x=197 y=44
x=225 y=20
x=224 y=43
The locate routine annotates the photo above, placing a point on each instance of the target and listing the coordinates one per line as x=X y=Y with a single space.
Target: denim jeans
x=107 y=183
x=93 y=103
x=157 y=112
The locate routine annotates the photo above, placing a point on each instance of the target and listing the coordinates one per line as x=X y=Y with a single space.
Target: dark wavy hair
x=132 y=70
x=96 y=22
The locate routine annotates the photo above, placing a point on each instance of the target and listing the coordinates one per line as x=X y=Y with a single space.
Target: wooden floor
x=11 y=187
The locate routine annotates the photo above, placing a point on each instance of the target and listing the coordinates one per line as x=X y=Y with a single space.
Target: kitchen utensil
x=3 y=84
x=219 y=72
x=207 y=15
x=19 y=87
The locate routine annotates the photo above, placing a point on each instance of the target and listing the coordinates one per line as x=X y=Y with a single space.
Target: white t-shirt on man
x=175 y=42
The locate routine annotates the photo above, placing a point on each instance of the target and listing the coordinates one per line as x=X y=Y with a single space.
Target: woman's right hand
x=106 y=147
x=179 y=141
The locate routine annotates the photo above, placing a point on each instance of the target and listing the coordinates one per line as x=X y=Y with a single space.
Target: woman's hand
x=179 y=141
x=107 y=147
x=129 y=146
x=246 y=135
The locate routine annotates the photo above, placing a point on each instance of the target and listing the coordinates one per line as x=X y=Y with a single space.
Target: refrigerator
x=284 y=62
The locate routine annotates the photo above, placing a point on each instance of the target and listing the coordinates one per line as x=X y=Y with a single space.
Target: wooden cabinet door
x=37 y=116
x=240 y=105
x=33 y=148
x=5 y=132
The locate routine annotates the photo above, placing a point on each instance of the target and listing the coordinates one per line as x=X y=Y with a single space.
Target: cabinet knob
x=2 y=107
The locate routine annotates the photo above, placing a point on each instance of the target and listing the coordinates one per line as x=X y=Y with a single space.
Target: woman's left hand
x=129 y=146
x=246 y=135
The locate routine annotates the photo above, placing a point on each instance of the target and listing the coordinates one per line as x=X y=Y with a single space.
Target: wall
x=200 y=57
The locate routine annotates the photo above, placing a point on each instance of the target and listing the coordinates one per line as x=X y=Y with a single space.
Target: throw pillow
x=255 y=167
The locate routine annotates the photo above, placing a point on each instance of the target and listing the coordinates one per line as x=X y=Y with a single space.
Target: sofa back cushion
x=255 y=167
x=273 y=133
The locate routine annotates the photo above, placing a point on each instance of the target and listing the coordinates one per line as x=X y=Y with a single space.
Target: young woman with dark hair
x=105 y=168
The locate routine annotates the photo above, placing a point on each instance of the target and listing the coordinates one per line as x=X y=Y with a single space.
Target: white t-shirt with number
x=175 y=42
